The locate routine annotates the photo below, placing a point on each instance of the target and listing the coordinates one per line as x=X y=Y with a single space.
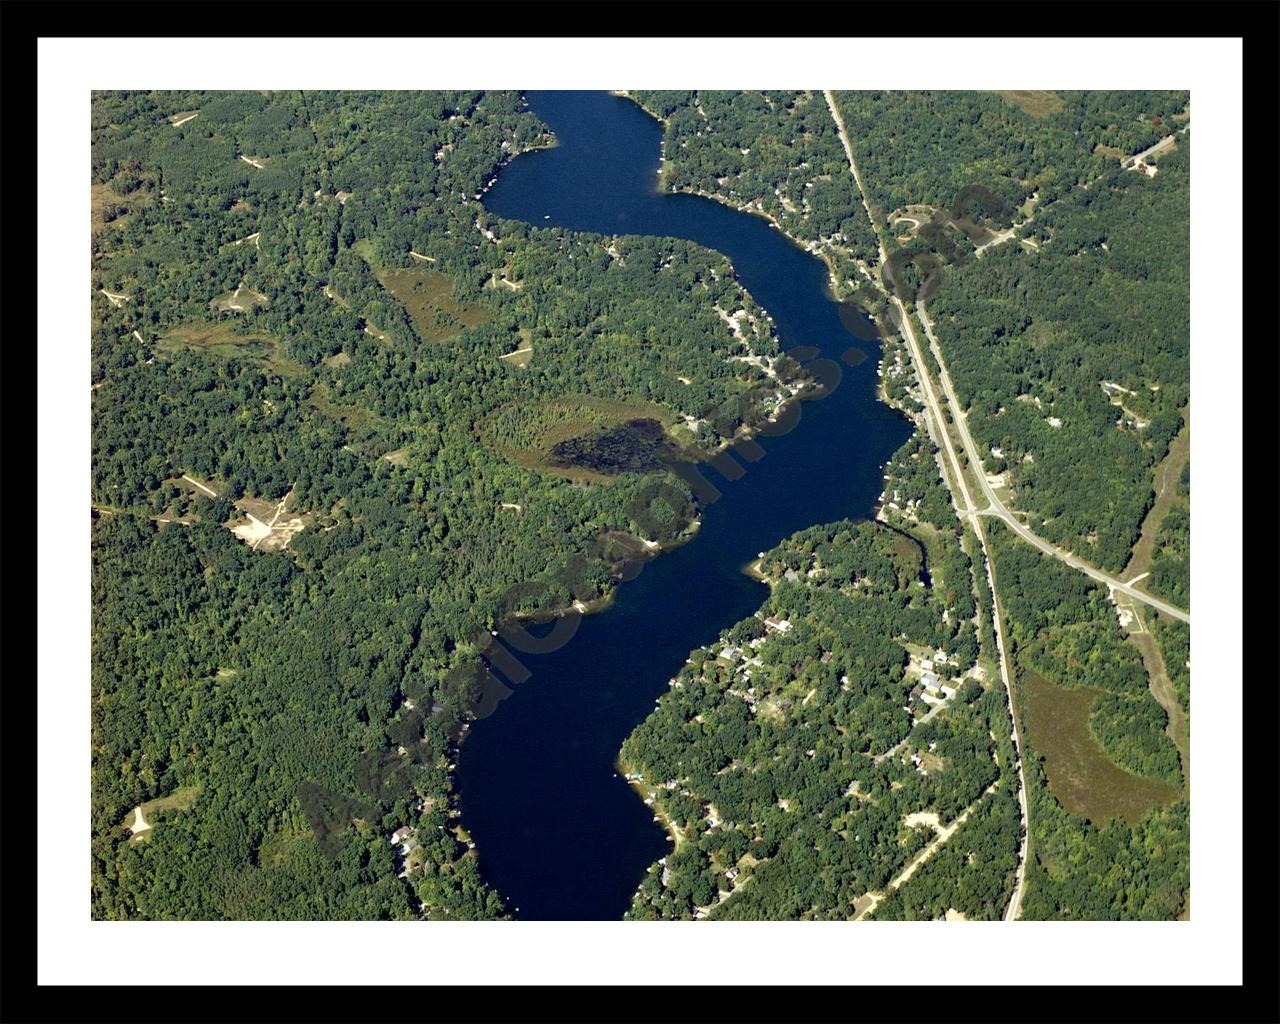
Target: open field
x=1036 y=102
x=106 y=206
x=526 y=433
x=221 y=340
x=427 y=295
x=1081 y=776
x=141 y=820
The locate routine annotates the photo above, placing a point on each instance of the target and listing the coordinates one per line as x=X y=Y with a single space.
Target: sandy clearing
x=253 y=531
x=512 y=504
x=517 y=352
x=139 y=337
x=250 y=160
x=929 y=818
x=139 y=825
x=419 y=256
x=189 y=117
x=116 y=300
x=273 y=535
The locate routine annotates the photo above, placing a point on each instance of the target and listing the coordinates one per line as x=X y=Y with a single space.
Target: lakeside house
x=778 y=625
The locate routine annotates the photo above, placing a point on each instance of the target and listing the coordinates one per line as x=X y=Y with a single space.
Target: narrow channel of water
x=559 y=833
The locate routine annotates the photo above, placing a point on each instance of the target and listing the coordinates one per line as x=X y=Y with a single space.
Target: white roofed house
x=401 y=834
x=778 y=625
x=930 y=681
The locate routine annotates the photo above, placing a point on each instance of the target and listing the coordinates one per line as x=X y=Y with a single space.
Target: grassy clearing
x=520 y=357
x=1036 y=102
x=1081 y=776
x=526 y=432
x=354 y=417
x=181 y=799
x=1111 y=151
x=106 y=206
x=523 y=351
x=222 y=341
x=428 y=296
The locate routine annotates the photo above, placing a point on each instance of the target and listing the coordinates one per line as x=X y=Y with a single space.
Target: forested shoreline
x=346 y=422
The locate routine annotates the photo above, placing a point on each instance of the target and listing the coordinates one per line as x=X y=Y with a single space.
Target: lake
x=558 y=831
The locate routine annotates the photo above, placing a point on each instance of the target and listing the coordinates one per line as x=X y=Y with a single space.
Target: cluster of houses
x=935 y=690
x=743 y=664
x=404 y=838
x=908 y=508
x=895 y=369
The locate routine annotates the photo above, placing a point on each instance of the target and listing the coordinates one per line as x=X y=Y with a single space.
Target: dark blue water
x=560 y=835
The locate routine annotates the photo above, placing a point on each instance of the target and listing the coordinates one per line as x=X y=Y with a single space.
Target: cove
x=559 y=833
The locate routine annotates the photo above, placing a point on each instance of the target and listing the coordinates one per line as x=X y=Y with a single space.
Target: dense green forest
x=325 y=333
x=923 y=148
x=775 y=153
x=1073 y=359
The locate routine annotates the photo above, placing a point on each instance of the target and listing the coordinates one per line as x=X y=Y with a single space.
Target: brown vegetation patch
x=1081 y=776
x=428 y=296
x=1036 y=102
x=223 y=341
